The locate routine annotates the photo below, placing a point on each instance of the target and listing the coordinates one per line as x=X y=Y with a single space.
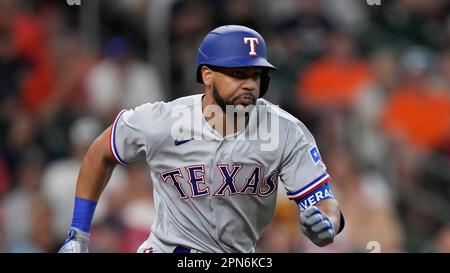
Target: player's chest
x=213 y=152
x=198 y=168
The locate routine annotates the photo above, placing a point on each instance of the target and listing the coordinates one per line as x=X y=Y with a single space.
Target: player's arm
x=96 y=169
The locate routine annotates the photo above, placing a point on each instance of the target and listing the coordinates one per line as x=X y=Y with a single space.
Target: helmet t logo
x=253 y=43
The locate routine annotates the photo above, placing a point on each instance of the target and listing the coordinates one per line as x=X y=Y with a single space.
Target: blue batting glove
x=77 y=242
x=317 y=226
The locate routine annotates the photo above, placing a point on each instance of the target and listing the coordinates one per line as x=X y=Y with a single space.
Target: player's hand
x=77 y=242
x=317 y=226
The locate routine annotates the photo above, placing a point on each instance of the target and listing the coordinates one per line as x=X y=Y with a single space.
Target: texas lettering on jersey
x=254 y=184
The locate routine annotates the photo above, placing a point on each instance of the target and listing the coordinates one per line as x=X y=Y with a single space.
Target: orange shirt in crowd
x=30 y=41
x=421 y=116
x=329 y=83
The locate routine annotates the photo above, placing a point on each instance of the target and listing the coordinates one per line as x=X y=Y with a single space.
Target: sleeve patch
x=315 y=155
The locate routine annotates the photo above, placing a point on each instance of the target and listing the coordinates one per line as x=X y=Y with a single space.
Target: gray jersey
x=215 y=194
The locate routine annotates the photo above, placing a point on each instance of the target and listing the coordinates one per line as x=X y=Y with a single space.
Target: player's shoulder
x=163 y=109
x=186 y=103
x=287 y=122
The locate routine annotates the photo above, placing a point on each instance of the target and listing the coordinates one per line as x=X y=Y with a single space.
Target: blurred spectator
x=416 y=119
x=5 y=182
x=417 y=112
x=302 y=30
x=126 y=19
x=305 y=32
x=120 y=81
x=239 y=12
x=42 y=226
x=189 y=22
x=328 y=88
x=278 y=236
x=138 y=213
x=70 y=58
x=405 y=22
x=442 y=78
x=30 y=42
x=417 y=116
x=442 y=240
x=106 y=236
x=348 y=15
x=335 y=80
x=13 y=68
x=20 y=138
x=128 y=215
x=59 y=179
x=367 y=203
x=363 y=128
x=20 y=202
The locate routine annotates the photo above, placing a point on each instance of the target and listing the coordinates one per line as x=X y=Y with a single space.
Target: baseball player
x=214 y=188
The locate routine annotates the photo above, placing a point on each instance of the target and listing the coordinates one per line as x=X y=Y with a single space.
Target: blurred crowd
x=371 y=82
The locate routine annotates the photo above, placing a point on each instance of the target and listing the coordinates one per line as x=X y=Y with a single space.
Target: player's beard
x=223 y=103
x=236 y=114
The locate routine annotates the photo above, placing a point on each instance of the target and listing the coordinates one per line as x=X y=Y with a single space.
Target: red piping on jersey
x=311 y=190
x=110 y=145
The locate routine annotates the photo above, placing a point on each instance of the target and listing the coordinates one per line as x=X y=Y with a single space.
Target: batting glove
x=317 y=226
x=77 y=242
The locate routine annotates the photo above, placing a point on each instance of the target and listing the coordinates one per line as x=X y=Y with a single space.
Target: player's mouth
x=245 y=99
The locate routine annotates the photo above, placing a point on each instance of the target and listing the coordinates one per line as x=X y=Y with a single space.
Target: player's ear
x=207 y=75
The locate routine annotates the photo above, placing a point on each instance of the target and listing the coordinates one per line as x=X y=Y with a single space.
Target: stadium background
x=372 y=83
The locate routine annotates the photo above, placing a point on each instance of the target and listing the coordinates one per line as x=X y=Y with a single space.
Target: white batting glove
x=317 y=226
x=77 y=242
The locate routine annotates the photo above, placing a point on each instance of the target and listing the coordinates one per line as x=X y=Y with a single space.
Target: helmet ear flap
x=264 y=82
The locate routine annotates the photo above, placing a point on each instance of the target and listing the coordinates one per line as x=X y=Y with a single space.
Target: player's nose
x=249 y=84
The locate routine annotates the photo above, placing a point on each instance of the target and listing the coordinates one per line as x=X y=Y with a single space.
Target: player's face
x=236 y=86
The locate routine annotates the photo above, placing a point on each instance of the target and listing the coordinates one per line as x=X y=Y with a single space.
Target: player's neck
x=221 y=122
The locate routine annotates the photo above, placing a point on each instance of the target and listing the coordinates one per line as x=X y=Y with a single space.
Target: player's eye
x=237 y=74
x=256 y=75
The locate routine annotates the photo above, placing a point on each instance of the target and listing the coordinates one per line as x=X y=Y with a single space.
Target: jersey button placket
x=217 y=158
x=222 y=160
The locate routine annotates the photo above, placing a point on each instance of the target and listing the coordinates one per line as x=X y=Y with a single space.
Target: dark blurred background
x=372 y=83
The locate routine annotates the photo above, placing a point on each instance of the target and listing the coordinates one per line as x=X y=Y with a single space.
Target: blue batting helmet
x=234 y=46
